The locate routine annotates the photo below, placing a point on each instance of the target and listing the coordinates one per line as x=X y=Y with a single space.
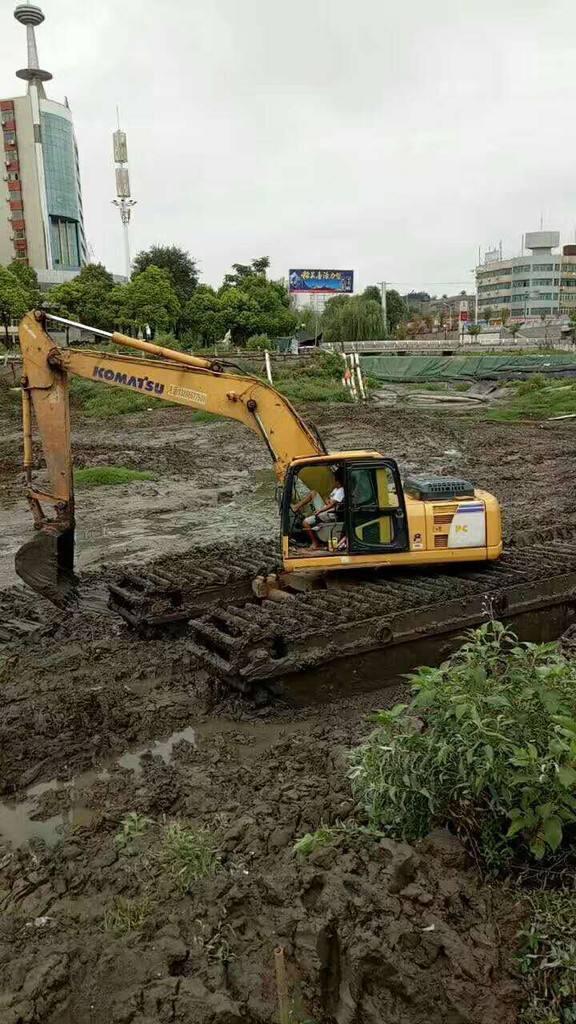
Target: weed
x=547 y=959
x=326 y=835
x=215 y=945
x=127 y=915
x=189 y=854
x=133 y=826
x=107 y=476
x=496 y=761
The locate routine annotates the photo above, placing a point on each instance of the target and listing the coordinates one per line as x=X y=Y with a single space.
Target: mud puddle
x=23 y=821
x=143 y=521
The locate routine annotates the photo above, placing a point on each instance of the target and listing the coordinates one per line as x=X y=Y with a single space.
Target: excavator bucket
x=46 y=564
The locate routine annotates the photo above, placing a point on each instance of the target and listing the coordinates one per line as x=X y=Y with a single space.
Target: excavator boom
x=46 y=562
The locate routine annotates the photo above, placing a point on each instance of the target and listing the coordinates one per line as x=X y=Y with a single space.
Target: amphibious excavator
x=414 y=544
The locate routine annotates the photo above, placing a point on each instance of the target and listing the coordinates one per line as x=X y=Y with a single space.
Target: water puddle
x=160 y=748
x=19 y=822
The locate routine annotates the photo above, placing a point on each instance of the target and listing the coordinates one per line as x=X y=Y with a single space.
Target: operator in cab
x=330 y=513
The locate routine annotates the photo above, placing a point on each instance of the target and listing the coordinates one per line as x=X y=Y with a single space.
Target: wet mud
x=97 y=723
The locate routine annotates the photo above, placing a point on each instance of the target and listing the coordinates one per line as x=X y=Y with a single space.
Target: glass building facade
x=63 y=196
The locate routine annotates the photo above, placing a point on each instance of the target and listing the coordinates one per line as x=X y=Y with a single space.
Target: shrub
x=258 y=342
x=548 y=958
x=487 y=747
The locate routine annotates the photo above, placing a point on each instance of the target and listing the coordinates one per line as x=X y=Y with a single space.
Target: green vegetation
x=14 y=299
x=548 y=958
x=537 y=399
x=100 y=401
x=328 y=835
x=258 y=343
x=319 y=379
x=127 y=915
x=189 y=854
x=108 y=476
x=133 y=827
x=495 y=760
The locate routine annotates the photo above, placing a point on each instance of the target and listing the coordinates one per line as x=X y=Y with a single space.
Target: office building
x=41 y=219
x=539 y=283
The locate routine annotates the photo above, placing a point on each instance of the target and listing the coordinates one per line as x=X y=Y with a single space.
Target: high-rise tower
x=41 y=218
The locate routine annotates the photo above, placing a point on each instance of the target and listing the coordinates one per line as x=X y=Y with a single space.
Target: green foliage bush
x=318 y=379
x=547 y=958
x=494 y=758
x=258 y=343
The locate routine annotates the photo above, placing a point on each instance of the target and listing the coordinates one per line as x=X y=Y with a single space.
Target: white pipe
x=359 y=376
x=268 y=366
x=352 y=381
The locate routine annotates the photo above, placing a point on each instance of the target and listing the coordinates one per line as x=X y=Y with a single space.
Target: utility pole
x=384 y=305
x=123 y=201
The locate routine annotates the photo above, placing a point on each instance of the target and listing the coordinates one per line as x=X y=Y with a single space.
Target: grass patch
x=537 y=399
x=189 y=854
x=108 y=476
x=547 y=959
x=127 y=915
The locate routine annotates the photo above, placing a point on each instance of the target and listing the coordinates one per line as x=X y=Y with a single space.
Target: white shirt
x=337 y=495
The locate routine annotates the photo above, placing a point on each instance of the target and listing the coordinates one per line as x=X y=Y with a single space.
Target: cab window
x=373 y=502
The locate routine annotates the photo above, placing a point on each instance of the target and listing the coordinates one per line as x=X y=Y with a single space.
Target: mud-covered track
x=376 y=628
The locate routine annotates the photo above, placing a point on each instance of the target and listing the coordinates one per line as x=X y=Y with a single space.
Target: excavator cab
x=371 y=520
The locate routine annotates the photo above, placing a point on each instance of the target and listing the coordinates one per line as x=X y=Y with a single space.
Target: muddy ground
x=96 y=724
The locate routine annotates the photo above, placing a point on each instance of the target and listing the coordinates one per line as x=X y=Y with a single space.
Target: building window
x=64 y=239
x=10 y=138
x=13 y=176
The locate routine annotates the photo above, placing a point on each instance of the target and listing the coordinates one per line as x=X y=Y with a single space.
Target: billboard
x=321 y=282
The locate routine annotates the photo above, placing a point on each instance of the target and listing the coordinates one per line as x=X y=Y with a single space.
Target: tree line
x=165 y=298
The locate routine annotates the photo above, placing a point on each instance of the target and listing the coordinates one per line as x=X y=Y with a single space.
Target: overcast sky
x=390 y=138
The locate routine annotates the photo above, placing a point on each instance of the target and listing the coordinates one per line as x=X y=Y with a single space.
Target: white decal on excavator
x=199 y=397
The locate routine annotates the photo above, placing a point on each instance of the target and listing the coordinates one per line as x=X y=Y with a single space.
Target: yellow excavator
x=378 y=522
x=426 y=550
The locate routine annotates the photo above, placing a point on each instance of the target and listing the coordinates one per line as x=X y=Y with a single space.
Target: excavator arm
x=46 y=563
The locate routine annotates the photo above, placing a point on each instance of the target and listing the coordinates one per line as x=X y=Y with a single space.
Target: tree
x=396 y=310
x=149 y=298
x=243 y=271
x=13 y=300
x=474 y=330
x=514 y=328
x=373 y=293
x=504 y=316
x=488 y=313
x=199 y=316
x=250 y=304
x=352 y=319
x=181 y=268
x=87 y=298
x=28 y=278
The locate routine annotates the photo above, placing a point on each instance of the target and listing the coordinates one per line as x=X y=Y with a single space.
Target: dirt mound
x=372 y=930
